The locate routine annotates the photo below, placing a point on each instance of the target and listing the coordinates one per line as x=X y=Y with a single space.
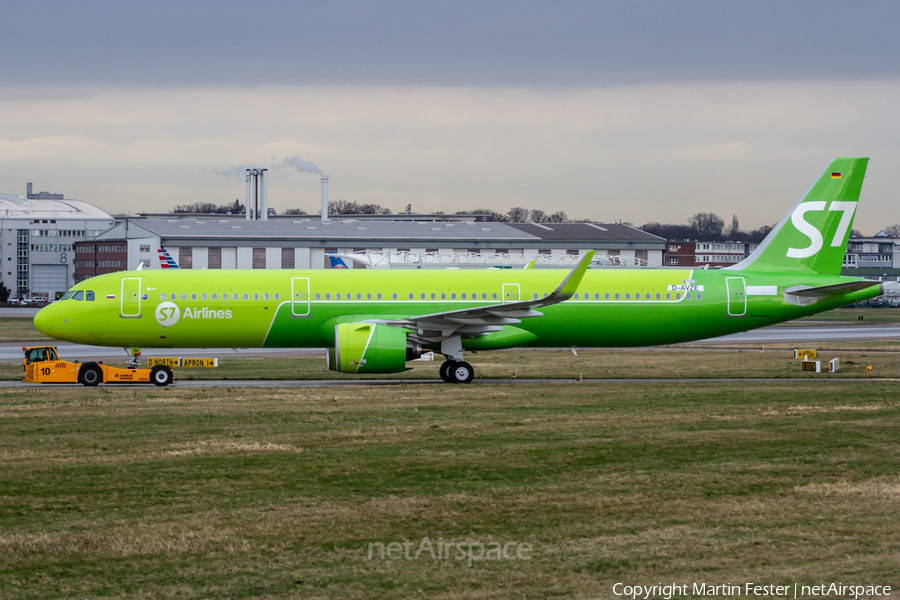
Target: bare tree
x=734 y=230
x=538 y=216
x=295 y=211
x=518 y=214
x=893 y=230
x=373 y=209
x=485 y=215
x=558 y=217
x=706 y=226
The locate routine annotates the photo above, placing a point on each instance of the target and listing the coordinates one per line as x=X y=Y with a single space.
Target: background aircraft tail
x=337 y=262
x=813 y=236
x=165 y=259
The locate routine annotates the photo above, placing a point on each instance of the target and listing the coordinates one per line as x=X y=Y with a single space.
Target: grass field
x=561 y=364
x=19 y=329
x=277 y=493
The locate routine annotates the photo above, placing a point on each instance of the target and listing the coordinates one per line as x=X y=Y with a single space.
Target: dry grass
x=245 y=492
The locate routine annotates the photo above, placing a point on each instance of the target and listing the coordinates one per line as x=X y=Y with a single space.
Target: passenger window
x=576 y=295
x=394 y=296
x=678 y=296
x=535 y=296
x=318 y=297
x=628 y=296
x=256 y=296
x=411 y=295
x=668 y=296
x=276 y=296
x=688 y=296
x=203 y=297
x=215 y=297
x=443 y=296
x=422 y=296
x=162 y=296
x=464 y=295
x=193 y=296
x=453 y=296
x=246 y=297
x=494 y=296
x=606 y=296
x=546 y=294
x=79 y=295
x=483 y=296
x=173 y=296
x=327 y=296
x=378 y=297
x=699 y=296
x=657 y=295
x=358 y=296
x=617 y=295
x=368 y=296
x=89 y=296
x=184 y=296
x=266 y=296
x=338 y=296
x=432 y=296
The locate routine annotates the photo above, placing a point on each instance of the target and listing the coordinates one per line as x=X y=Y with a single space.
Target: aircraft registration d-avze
x=374 y=321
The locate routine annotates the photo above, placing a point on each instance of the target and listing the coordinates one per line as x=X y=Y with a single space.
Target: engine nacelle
x=370 y=348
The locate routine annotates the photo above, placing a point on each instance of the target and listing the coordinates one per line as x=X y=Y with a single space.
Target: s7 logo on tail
x=815 y=236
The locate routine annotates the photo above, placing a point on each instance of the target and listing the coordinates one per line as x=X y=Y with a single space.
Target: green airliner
x=374 y=321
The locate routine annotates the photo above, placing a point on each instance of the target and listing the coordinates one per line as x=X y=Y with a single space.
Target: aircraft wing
x=483 y=320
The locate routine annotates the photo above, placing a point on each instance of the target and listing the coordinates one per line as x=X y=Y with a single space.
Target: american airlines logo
x=815 y=236
x=168 y=313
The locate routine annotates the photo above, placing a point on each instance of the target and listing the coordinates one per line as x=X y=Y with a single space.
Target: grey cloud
x=467 y=42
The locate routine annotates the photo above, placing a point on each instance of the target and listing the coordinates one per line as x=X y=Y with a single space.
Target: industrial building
x=309 y=244
x=38 y=235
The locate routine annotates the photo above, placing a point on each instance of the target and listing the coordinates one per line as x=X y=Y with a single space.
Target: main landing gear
x=457 y=372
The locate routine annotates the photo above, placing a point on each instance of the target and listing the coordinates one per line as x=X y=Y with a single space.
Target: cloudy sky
x=640 y=111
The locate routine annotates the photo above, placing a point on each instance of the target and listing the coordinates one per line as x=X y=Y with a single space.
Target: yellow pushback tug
x=43 y=365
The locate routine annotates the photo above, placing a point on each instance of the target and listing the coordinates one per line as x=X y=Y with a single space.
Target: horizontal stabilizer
x=801 y=295
x=835 y=290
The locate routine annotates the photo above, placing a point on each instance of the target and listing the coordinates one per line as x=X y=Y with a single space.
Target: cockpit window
x=68 y=295
x=89 y=296
x=79 y=295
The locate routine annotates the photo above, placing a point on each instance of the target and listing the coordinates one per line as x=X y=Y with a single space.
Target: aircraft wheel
x=90 y=376
x=445 y=370
x=161 y=375
x=462 y=372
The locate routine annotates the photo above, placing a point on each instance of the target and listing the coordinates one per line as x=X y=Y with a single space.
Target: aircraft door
x=130 y=300
x=737 y=296
x=510 y=292
x=300 y=296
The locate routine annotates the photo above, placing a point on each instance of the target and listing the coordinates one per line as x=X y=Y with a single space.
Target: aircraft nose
x=43 y=321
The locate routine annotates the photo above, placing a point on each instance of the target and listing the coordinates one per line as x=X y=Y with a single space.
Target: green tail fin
x=813 y=236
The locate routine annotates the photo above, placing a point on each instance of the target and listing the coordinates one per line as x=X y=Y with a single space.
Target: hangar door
x=47 y=280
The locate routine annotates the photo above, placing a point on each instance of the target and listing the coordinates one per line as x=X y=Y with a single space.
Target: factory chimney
x=324 y=198
x=257 y=180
